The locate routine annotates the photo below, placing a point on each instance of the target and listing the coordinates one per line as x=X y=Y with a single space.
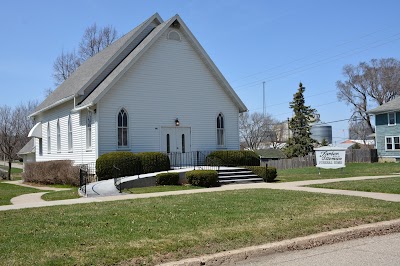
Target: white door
x=176 y=142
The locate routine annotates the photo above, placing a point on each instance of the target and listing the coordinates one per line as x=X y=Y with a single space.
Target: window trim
x=48 y=138
x=70 y=135
x=58 y=136
x=89 y=117
x=169 y=37
x=394 y=118
x=393 y=143
x=123 y=147
x=220 y=126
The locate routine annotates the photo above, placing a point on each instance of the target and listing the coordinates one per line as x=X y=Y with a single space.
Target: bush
x=52 y=172
x=233 y=158
x=128 y=163
x=268 y=175
x=203 y=178
x=154 y=162
x=166 y=179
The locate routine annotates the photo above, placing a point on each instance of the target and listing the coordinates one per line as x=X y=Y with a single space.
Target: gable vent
x=174 y=35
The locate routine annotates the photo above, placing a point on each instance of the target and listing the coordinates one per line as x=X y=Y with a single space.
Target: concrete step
x=221 y=173
x=247 y=180
x=238 y=176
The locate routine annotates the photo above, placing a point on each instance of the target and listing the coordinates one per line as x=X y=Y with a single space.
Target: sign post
x=330 y=157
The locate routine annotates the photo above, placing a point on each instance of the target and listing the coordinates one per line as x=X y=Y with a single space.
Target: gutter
x=66 y=99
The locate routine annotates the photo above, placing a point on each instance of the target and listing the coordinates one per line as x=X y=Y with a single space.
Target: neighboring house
x=154 y=89
x=270 y=154
x=387 y=130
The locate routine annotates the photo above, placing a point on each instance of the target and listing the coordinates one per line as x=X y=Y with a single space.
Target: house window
x=70 y=144
x=89 y=130
x=40 y=147
x=391 y=119
x=220 y=130
x=168 y=144
x=48 y=138
x=58 y=136
x=122 y=128
x=393 y=143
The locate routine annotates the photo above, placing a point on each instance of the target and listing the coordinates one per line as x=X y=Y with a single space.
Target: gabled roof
x=92 y=68
x=87 y=73
x=28 y=148
x=393 y=105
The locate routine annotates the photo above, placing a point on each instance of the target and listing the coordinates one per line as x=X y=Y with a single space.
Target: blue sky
x=279 y=42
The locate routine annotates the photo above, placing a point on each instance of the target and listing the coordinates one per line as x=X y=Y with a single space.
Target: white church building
x=154 y=89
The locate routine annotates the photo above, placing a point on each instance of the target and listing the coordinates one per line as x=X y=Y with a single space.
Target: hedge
x=268 y=175
x=233 y=158
x=128 y=163
x=52 y=172
x=203 y=178
x=167 y=179
x=154 y=162
x=131 y=163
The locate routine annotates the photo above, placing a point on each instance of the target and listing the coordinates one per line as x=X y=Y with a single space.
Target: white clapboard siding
x=79 y=153
x=169 y=81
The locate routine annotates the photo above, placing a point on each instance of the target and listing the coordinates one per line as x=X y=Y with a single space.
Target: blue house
x=387 y=130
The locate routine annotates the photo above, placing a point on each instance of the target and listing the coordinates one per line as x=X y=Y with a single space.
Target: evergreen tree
x=301 y=143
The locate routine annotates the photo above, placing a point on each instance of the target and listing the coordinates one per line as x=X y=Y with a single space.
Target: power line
x=319 y=62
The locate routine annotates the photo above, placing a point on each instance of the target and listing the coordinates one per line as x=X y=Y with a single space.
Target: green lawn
x=9 y=191
x=168 y=228
x=351 y=169
x=386 y=185
x=61 y=195
x=13 y=170
x=153 y=189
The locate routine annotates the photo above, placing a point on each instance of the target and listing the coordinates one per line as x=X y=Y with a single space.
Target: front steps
x=237 y=175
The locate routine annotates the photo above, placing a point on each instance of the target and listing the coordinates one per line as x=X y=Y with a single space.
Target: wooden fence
x=361 y=156
x=352 y=156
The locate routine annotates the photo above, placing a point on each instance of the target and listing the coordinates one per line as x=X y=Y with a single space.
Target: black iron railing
x=117 y=178
x=83 y=179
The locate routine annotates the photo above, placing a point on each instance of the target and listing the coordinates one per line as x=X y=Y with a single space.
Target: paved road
x=379 y=250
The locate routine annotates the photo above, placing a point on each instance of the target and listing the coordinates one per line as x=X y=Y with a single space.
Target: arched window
x=48 y=138
x=220 y=130
x=122 y=128
x=89 y=130
x=58 y=136
x=70 y=144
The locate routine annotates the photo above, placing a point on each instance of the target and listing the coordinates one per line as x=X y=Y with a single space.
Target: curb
x=299 y=243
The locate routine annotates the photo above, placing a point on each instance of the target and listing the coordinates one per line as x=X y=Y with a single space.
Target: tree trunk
x=9 y=171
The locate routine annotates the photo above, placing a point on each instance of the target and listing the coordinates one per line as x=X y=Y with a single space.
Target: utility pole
x=264 y=110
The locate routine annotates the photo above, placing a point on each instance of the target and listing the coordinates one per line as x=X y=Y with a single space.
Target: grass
x=351 y=169
x=153 y=189
x=9 y=191
x=61 y=195
x=160 y=229
x=13 y=170
x=386 y=185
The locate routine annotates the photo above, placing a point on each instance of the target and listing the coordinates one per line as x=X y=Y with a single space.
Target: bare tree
x=376 y=82
x=93 y=41
x=255 y=129
x=14 y=129
x=359 y=130
x=64 y=66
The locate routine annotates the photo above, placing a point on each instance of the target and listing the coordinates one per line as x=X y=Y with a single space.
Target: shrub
x=268 y=175
x=165 y=179
x=233 y=158
x=154 y=162
x=203 y=178
x=52 y=172
x=128 y=163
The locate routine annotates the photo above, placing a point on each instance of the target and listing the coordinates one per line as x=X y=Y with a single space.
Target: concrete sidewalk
x=283 y=186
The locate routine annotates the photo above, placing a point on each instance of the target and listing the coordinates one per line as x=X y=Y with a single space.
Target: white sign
x=330 y=157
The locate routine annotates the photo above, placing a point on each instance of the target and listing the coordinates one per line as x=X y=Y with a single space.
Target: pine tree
x=301 y=143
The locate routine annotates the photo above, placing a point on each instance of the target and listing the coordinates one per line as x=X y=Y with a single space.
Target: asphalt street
x=378 y=250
